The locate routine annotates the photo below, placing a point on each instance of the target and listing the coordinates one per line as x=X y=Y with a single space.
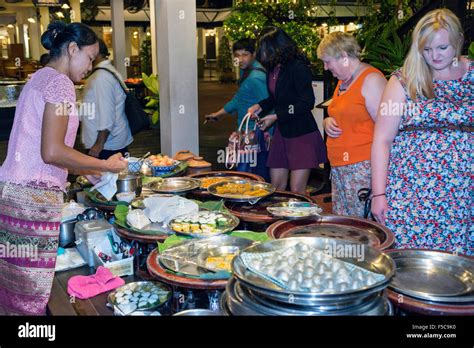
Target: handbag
x=364 y=195
x=259 y=167
x=138 y=119
x=243 y=144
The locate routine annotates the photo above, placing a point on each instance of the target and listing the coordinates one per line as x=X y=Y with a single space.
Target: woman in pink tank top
x=33 y=176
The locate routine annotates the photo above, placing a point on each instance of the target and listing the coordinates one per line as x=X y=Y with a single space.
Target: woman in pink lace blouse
x=33 y=176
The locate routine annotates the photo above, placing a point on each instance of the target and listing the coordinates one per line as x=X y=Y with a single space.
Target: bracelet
x=382 y=194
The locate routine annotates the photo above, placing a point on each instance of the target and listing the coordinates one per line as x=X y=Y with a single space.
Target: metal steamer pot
x=129 y=183
x=239 y=300
x=248 y=294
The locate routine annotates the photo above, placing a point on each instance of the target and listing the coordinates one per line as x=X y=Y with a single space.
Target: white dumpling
x=293 y=285
x=146 y=294
x=282 y=275
x=307 y=283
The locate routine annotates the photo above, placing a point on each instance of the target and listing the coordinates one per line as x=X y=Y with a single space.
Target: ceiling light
x=31 y=20
x=11 y=26
x=148 y=34
x=65 y=6
x=324 y=24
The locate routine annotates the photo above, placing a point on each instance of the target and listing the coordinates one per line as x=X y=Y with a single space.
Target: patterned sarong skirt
x=30 y=217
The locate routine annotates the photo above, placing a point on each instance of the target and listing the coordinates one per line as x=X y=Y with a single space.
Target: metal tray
x=335 y=226
x=222 y=178
x=174 y=185
x=241 y=198
x=312 y=210
x=151 y=229
x=433 y=275
x=234 y=223
x=138 y=287
x=373 y=260
x=195 y=250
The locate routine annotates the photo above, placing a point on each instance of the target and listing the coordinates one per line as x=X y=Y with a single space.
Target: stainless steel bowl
x=129 y=183
x=198 y=312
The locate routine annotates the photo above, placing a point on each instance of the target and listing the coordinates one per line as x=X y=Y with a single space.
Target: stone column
x=75 y=10
x=118 y=36
x=177 y=71
x=35 y=40
x=44 y=22
x=154 y=38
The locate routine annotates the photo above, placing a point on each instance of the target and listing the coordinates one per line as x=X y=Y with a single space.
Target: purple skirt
x=303 y=152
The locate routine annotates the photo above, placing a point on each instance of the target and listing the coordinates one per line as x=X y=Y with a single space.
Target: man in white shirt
x=105 y=132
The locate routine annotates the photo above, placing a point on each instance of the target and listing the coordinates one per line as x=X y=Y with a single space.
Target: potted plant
x=152 y=106
x=224 y=62
x=145 y=56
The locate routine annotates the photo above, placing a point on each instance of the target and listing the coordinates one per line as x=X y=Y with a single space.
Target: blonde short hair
x=417 y=73
x=334 y=44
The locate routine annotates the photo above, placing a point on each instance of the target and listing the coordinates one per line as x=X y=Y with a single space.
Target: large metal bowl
x=373 y=260
x=198 y=312
x=433 y=275
x=335 y=226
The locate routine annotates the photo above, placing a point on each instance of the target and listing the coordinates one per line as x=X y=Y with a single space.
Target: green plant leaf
x=155 y=117
x=152 y=103
x=121 y=212
x=214 y=205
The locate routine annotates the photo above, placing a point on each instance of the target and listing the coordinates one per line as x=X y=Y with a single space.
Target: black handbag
x=138 y=119
x=364 y=195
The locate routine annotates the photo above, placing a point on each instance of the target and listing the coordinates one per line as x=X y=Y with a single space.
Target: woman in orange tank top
x=350 y=124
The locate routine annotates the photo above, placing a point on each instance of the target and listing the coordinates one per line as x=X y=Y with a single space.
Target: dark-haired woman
x=33 y=176
x=297 y=145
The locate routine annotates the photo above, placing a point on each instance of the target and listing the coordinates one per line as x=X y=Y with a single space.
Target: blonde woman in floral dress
x=422 y=149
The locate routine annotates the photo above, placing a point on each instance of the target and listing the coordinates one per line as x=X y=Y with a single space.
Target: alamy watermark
x=80 y=109
x=246 y=156
x=345 y=251
x=28 y=251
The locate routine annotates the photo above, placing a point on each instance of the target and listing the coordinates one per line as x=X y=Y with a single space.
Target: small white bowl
x=125 y=196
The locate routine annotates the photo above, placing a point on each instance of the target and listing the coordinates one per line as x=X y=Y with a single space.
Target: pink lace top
x=24 y=164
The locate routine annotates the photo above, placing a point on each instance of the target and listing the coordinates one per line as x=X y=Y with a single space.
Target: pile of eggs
x=302 y=268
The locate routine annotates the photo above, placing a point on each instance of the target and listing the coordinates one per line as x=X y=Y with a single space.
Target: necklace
x=344 y=85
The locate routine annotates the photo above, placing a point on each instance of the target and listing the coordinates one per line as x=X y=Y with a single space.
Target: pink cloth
x=24 y=163
x=84 y=287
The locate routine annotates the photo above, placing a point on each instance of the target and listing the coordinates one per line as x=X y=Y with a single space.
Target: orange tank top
x=357 y=126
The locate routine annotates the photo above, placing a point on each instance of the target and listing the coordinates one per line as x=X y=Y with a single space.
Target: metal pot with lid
x=129 y=183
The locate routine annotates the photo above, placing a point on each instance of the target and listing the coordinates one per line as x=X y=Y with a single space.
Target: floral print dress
x=429 y=190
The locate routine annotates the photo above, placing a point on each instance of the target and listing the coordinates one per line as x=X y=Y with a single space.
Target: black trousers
x=105 y=154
